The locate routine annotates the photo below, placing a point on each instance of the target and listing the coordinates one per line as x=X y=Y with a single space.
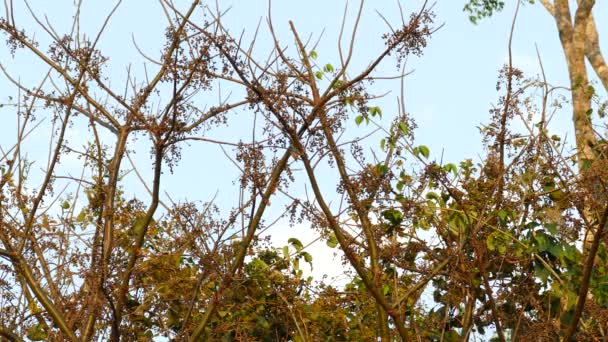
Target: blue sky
x=449 y=92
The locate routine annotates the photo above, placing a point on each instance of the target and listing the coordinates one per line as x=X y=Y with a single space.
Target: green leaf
x=502 y=215
x=400 y=186
x=313 y=54
x=81 y=217
x=424 y=151
x=552 y=228
x=359 y=120
x=385 y=289
x=328 y=68
x=307 y=257
x=263 y=322
x=571 y=253
x=502 y=249
x=319 y=75
x=403 y=127
x=65 y=205
x=138 y=227
x=259 y=264
x=295 y=243
x=541 y=242
x=382 y=144
x=555 y=250
x=586 y=164
x=395 y=217
x=382 y=169
x=491 y=242
x=36 y=333
x=375 y=111
x=451 y=168
x=433 y=196
x=285 y=252
x=296 y=264
x=542 y=272
x=332 y=242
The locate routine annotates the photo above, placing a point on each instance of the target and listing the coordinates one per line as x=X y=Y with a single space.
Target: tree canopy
x=509 y=244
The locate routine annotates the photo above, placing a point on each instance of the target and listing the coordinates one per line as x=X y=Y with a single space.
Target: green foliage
x=404 y=128
x=395 y=217
x=423 y=150
x=332 y=241
x=373 y=111
x=359 y=119
x=451 y=168
x=37 y=333
x=65 y=205
x=481 y=9
x=295 y=243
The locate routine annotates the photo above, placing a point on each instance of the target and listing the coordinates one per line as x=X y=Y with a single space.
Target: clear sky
x=449 y=92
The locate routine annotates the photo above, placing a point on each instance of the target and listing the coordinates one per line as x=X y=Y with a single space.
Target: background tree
x=580 y=42
x=435 y=250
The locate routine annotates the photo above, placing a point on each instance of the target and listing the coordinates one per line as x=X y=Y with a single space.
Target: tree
x=580 y=42
x=128 y=257
x=85 y=257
